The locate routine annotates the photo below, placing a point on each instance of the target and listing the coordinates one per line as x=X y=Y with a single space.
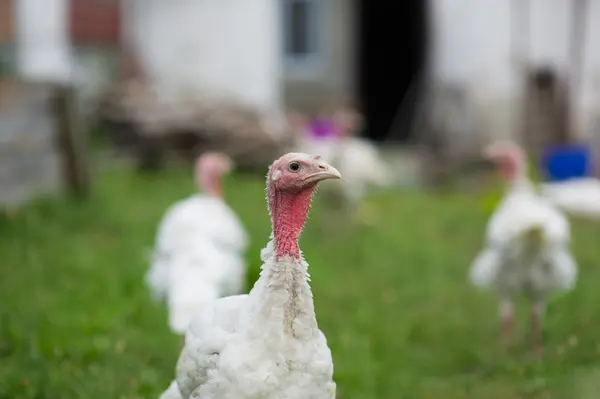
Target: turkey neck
x=211 y=185
x=288 y=215
x=286 y=302
x=515 y=174
x=519 y=183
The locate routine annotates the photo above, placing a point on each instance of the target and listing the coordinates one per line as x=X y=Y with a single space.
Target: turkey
x=267 y=344
x=317 y=136
x=357 y=159
x=577 y=197
x=527 y=245
x=199 y=249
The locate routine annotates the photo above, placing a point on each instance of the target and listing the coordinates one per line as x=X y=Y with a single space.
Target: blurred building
x=93 y=32
x=310 y=54
x=360 y=52
x=491 y=48
x=304 y=54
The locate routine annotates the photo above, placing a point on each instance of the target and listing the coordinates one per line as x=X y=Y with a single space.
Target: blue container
x=567 y=162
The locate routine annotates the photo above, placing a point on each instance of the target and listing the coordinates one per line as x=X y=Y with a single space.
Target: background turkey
x=527 y=245
x=357 y=159
x=199 y=251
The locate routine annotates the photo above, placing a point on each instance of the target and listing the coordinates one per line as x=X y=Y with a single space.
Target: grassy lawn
x=393 y=300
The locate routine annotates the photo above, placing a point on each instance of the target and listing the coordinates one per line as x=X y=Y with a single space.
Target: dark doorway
x=392 y=52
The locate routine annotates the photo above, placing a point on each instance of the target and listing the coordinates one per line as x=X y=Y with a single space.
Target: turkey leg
x=507 y=322
x=537 y=309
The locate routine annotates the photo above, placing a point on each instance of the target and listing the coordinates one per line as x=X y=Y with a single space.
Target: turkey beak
x=323 y=171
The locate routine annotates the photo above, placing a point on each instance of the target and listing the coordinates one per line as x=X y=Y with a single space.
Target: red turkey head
x=291 y=183
x=508 y=157
x=210 y=167
x=298 y=171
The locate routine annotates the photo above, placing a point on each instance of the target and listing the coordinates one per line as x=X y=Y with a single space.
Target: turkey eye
x=294 y=167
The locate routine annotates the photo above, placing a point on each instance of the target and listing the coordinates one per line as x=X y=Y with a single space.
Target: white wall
x=194 y=47
x=589 y=96
x=42 y=39
x=94 y=69
x=473 y=44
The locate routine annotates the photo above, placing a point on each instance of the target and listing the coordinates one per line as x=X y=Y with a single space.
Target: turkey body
x=227 y=355
x=362 y=166
x=526 y=249
x=527 y=245
x=198 y=257
x=358 y=160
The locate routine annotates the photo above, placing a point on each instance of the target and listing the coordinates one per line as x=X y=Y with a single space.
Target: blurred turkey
x=356 y=158
x=527 y=244
x=199 y=248
x=577 y=197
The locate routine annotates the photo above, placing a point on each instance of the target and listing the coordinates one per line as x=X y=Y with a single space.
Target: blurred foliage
x=76 y=320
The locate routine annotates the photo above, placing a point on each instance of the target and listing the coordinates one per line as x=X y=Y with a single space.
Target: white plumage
x=511 y=263
x=527 y=243
x=198 y=256
x=172 y=392
x=265 y=345
x=577 y=197
x=356 y=158
x=361 y=164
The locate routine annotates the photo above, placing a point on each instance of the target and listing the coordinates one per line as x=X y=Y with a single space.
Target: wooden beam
x=71 y=142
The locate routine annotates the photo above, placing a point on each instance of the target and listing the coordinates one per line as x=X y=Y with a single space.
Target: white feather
x=198 y=257
x=172 y=392
x=578 y=197
x=236 y=346
x=508 y=264
x=358 y=161
x=362 y=167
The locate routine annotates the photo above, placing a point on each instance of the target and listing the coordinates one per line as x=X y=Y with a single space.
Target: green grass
x=393 y=300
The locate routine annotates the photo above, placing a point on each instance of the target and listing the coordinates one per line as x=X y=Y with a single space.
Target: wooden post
x=71 y=142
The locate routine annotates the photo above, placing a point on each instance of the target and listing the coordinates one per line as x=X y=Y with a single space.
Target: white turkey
x=267 y=344
x=317 y=136
x=357 y=159
x=199 y=249
x=577 y=197
x=527 y=245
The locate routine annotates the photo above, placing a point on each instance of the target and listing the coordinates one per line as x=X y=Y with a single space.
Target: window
x=302 y=31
